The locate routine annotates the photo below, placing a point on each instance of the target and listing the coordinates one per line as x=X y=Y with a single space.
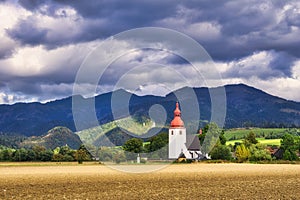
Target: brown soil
x=182 y=181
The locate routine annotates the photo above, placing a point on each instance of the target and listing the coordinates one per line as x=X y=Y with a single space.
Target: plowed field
x=181 y=181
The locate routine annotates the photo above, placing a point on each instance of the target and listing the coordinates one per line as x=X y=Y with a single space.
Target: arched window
x=172 y=132
x=180 y=132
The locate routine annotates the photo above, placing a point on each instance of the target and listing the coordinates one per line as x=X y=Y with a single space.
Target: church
x=181 y=144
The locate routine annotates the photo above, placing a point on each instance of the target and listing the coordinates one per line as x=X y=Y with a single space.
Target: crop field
x=270 y=142
x=177 y=181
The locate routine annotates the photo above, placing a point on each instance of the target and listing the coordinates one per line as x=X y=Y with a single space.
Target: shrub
x=259 y=153
x=221 y=152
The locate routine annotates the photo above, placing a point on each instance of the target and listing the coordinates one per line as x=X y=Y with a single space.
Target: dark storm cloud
x=282 y=62
x=31 y=4
x=243 y=26
x=100 y=19
x=24 y=87
x=26 y=32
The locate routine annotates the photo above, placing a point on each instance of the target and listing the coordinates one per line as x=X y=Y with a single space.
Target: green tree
x=7 y=154
x=242 y=153
x=65 y=150
x=159 y=141
x=38 y=150
x=57 y=157
x=221 y=152
x=289 y=146
x=31 y=155
x=259 y=152
x=134 y=145
x=46 y=155
x=20 y=155
x=222 y=138
x=250 y=139
x=82 y=154
x=67 y=158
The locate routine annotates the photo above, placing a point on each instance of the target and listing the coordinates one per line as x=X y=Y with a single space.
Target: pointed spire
x=177 y=111
x=177 y=122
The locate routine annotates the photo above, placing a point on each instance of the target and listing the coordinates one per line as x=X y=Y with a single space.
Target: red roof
x=177 y=121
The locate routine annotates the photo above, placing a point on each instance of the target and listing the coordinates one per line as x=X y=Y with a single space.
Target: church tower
x=177 y=135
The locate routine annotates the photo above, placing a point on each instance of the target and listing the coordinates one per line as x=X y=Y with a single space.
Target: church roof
x=192 y=142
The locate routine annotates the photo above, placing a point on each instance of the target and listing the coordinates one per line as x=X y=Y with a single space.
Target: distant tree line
x=40 y=153
x=267 y=124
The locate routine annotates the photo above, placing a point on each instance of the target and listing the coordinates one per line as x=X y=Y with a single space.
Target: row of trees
x=40 y=153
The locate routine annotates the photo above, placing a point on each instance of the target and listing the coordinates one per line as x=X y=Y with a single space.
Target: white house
x=181 y=144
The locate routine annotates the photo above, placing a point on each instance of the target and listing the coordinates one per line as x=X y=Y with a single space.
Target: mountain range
x=245 y=106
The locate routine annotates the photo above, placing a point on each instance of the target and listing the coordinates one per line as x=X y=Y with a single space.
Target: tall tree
x=250 y=139
x=82 y=154
x=289 y=146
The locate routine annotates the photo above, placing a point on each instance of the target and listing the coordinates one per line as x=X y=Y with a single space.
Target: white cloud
x=9 y=15
x=35 y=61
x=262 y=64
x=204 y=31
x=296 y=70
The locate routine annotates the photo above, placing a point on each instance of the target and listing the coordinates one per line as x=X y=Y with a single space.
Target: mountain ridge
x=246 y=106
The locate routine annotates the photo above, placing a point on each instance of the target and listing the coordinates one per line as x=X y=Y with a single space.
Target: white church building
x=181 y=144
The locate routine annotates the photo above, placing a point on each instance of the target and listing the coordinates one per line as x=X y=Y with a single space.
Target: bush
x=290 y=155
x=221 y=152
x=259 y=153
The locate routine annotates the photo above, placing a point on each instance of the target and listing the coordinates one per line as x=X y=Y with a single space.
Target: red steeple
x=177 y=122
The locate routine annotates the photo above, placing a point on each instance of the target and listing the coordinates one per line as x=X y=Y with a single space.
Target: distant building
x=182 y=145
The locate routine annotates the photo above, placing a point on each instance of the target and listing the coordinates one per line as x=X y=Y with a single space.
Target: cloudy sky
x=43 y=43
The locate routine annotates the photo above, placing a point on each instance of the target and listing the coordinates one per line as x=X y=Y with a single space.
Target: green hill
x=117 y=132
x=56 y=137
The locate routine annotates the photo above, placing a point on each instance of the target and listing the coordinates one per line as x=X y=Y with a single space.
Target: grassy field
x=181 y=181
x=260 y=132
x=260 y=140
